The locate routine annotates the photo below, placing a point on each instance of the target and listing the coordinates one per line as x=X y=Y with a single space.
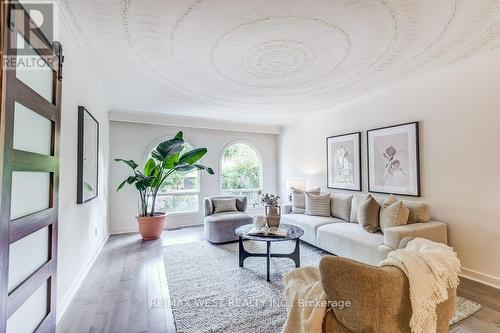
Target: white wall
x=82 y=228
x=459 y=112
x=131 y=140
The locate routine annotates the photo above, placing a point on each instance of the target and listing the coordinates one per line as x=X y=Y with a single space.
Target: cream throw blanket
x=431 y=269
x=306 y=301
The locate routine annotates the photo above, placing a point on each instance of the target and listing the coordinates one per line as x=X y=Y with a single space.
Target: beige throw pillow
x=357 y=199
x=317 y=205
x=224 y=205
x=368 y=214
x=341 y=206
x=420 y=212
x=393 y=213
x=299 y=199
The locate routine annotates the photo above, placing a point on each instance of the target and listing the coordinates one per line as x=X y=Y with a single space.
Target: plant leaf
x=149 y=167
x=121 y=185
x=189 y=167
x=171 y=161
x=202 y=167
x=130 y=180
x=192 y=156
x=144 y=183
x=156 y=155
x=130 y=163
x=185 y=167
x=179 y=136
x=169 y=147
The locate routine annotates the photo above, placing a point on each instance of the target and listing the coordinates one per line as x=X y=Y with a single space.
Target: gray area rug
x=210 y=293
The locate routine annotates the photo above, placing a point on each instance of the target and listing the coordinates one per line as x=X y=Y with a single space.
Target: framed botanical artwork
x=343 y=154
x=88 y=156
x=394 y=160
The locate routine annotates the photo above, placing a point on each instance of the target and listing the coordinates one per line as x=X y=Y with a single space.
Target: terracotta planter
x=151 y=227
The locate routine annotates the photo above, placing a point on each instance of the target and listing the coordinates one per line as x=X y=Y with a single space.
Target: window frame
x=149 y=149
x=261 y=171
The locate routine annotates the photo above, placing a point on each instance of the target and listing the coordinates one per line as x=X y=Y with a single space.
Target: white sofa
x=338 y=235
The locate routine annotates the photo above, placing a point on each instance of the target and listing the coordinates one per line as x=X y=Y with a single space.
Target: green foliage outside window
x=240 y=172
x=240 y=168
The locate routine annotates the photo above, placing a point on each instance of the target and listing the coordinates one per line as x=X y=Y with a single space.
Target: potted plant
x=166 y=159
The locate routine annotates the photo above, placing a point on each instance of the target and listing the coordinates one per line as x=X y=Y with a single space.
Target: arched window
x=181 y=191
x=241 y=172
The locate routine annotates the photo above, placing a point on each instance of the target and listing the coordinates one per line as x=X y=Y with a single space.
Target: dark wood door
x=29 y=161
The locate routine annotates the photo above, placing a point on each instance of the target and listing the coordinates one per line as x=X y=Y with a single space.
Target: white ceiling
x=270 y=60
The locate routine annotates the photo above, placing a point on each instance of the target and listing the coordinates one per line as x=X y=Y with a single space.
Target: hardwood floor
x=126 y=289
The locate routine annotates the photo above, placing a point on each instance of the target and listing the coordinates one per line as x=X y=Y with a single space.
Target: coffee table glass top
x=294 y=232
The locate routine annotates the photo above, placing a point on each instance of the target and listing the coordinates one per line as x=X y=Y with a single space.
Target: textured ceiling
x=270 y=60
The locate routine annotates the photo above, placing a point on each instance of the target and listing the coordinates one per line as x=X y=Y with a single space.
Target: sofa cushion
x=350 y=240
x=357 y=199
x=226 y=217
x=224 y=205
x=340 y=206
x=419 y=211
x=299 y=199
x=318 y=205
x=220 y=227
x=310 y=224
x=393 y=213
x=368 y=214
x=241 y=203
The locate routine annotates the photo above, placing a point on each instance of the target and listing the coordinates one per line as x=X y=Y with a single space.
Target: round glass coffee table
x=293 y=234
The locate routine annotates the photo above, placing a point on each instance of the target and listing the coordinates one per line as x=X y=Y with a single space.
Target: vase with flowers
x=272 y=209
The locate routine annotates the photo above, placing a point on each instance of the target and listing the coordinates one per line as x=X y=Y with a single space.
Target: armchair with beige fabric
x=379 y=298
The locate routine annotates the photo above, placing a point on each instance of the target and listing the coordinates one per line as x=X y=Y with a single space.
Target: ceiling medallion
x=278 y=59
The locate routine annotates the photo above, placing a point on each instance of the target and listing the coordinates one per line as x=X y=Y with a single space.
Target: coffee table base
x=295 y=255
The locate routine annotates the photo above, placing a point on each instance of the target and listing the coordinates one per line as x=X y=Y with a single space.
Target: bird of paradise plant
x=166 y=159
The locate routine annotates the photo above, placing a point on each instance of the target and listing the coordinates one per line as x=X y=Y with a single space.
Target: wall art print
x=343 y=153
x=88 y=156
x=393 y=159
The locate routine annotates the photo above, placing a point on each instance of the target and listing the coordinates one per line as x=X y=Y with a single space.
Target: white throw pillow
x=299 y=199
x=224 y=205
x=317 y=205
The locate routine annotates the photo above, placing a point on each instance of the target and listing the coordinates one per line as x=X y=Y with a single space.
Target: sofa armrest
x=377 y=295
x=209 y=206
x=286 y=209
x=434 y=231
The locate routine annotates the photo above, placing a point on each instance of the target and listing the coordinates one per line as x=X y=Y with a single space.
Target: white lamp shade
x=298 y=183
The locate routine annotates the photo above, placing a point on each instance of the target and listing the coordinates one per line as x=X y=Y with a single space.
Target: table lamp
x=297 y=183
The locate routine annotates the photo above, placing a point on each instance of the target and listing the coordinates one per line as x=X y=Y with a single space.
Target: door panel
x=32 y=132
x=27 y=255
x=31 y=313
x=40 y=80
x=29 y=175
x=30 y=193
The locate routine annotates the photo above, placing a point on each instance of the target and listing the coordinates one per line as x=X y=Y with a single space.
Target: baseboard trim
x=63 y=306
x=172 y=227
x=486 y=279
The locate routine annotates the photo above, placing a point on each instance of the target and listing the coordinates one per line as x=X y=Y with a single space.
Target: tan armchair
x=379 y=297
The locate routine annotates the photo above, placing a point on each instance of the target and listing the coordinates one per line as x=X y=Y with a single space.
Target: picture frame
x=343 y=155
x=88 y=156
x=393 y=157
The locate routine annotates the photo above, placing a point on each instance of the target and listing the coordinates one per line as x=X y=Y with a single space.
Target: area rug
x=209 y=292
